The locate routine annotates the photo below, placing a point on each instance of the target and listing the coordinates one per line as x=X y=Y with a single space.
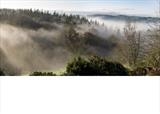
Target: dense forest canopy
x=35 y=19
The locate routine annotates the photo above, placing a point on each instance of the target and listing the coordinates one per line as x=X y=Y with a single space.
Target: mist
x=119 y=24
x=24 y=50
x=29 y=50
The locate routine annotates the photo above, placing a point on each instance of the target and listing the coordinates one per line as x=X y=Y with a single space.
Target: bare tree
x=153 y=58
x=131 y=46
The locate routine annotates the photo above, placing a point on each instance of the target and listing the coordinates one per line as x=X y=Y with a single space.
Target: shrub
x=103 y=67
x=153 y=71
x=139 y=72
x=95 y=66
x=78 y=66
x=42 y=74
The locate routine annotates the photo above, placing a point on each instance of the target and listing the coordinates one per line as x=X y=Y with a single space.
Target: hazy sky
x=145 y=7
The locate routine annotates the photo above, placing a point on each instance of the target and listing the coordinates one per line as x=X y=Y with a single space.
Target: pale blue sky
x=137 y=7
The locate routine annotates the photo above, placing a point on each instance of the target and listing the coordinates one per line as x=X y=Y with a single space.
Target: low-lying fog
x=111 y=23
x=24 y=50
x=118 y=24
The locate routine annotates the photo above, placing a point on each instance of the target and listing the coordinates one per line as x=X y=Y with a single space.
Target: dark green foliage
x=43 y=74
x=1 y=73
x=139 y=72
x=87 y=43
x=101 y=66
x=79 y=66
x=95 y=66
x=36 y=19
x=93 y=39
x=73 y=41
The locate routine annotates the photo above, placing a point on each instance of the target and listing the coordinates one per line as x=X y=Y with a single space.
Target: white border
x=80 y=95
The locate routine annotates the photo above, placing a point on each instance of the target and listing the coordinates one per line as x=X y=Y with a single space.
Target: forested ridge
x=42 y=42
x=35 y=19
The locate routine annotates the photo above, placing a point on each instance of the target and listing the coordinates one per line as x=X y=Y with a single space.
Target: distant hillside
x=126 y=18
x=38 y=19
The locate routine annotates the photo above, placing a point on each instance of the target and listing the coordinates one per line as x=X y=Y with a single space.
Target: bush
x=1 y=73
x=139 y=72
x=95 y=66
x=43 y=74
x=153 y=71
x=78 y=66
